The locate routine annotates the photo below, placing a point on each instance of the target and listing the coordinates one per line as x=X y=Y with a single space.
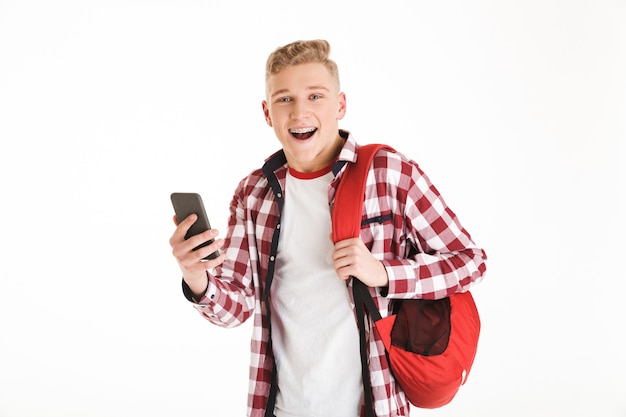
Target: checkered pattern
x=406 y=224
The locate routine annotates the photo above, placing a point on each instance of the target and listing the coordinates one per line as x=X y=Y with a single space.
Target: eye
x=315 y=96
x=284 y=100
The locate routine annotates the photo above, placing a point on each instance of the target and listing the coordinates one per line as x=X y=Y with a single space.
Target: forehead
x=301 y=77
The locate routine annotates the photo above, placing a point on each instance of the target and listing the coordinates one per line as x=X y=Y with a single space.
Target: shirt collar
x=347 y=154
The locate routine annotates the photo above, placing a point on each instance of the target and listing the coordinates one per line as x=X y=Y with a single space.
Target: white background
x=515 y=109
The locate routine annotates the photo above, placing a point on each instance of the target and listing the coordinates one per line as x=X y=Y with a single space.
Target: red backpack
x=431 y=344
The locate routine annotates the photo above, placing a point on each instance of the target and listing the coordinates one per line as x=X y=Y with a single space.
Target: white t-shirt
x=314 y=335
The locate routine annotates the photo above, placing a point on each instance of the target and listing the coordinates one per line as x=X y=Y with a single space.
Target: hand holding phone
x=186 y=204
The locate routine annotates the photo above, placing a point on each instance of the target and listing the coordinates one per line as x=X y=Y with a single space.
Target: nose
x=300 y=110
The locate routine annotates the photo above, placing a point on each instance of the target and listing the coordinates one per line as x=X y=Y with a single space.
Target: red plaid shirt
x=407 y=225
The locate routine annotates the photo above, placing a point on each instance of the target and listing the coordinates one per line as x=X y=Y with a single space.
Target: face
x=304 y=107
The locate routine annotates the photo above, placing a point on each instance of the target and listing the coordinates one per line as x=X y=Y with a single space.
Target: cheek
x=276 y=117
x=334 y=113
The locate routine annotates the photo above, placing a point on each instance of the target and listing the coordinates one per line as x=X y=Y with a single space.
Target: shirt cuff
x=402 y=283
x=209 y=295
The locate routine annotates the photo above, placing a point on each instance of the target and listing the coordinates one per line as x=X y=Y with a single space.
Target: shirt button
x=272 y=259
x=278 y=226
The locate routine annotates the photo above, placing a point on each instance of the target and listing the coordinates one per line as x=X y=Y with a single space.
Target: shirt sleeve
x=441 y=258
x=229 y=299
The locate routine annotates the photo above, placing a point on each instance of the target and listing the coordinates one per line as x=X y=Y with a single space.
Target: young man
x=279 y=266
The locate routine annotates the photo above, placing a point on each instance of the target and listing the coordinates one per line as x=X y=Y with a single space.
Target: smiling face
x=304 y=106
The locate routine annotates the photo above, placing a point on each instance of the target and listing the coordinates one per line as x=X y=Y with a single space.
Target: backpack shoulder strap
x=346 y=223
x=348 y=205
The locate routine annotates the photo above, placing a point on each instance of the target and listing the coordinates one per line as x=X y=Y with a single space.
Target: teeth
x=302 y=130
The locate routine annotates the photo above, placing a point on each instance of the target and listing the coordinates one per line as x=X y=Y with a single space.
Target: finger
x=183 y=227
x=346 y=254
x=194 y=259
x=181 y=246
x=342 y=263
x=189 y=220
x=200 y=238
x=344 y=275
x=198 y=260
x=348 y=243
x=212 y=263
x=209 y=249
x=198 y=244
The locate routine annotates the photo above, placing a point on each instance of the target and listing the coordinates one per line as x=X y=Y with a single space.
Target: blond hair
x=301 y=52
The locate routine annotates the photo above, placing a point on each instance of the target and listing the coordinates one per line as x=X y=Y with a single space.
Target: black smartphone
x=186 y=204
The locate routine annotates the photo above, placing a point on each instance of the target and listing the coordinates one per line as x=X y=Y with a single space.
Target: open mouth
x=303 y=133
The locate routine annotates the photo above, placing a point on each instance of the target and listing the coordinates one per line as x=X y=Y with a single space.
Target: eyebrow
x=309 y=88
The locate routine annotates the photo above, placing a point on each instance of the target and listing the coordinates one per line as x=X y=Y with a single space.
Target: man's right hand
x=191 y=263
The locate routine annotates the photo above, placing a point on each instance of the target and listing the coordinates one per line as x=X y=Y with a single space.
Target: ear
x=266 y=113
x=341 y=112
